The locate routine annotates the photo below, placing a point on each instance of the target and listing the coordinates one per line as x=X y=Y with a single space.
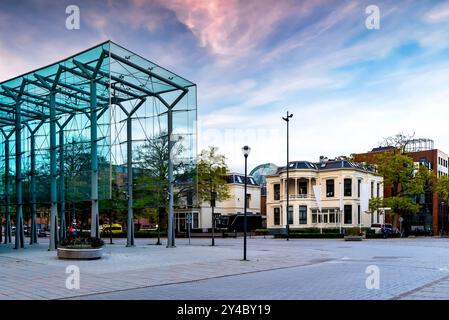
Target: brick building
x=433 y=215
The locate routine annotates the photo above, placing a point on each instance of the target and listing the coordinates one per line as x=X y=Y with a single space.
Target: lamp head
x=246 y=150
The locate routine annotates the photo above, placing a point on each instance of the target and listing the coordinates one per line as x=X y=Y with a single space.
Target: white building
x=340 y=185
x=202 y=217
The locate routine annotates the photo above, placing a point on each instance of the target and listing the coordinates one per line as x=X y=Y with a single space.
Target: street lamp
x=287 y=119
x=246 y=150
x=213 y=196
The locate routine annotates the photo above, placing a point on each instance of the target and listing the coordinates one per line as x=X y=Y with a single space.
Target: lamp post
x=287 y=119
x=213 y=196
x=246 y=150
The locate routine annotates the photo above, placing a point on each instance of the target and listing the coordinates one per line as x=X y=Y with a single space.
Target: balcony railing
x=299 y=196
x=295 y=197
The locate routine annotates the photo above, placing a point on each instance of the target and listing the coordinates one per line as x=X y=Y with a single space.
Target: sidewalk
x=36 y=273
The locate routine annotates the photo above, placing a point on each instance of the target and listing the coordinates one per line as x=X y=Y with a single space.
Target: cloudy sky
x=348 y=86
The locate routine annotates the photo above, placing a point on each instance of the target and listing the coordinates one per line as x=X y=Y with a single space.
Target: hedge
x=311 y=236
x=381 y=236
x=137 y=234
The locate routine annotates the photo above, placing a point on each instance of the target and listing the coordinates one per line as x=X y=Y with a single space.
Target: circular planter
x=80 y=254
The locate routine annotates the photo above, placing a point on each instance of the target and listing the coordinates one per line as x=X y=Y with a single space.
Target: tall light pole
x=246 y=150
x=213 y=196
x=287 y=119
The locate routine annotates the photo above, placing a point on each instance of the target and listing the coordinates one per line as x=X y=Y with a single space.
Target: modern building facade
x=340 y=190
x=66 y=128
x=433 y=215
x=202 y=216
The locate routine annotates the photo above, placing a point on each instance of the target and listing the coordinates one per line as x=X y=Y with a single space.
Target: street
x=410 y=268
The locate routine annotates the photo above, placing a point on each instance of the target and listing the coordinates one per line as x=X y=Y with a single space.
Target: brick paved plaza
x=413 y=268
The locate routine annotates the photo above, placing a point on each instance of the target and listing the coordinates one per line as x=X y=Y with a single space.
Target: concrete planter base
x=80 y=254
x=353 y=238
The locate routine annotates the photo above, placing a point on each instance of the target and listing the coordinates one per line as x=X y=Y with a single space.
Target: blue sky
x=347 y=86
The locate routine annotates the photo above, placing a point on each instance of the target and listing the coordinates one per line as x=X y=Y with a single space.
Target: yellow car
x=116 y=228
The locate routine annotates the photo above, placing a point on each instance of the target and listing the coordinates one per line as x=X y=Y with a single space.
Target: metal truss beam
x=143 y=70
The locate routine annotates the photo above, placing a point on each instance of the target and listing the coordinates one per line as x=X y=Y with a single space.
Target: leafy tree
x=116 y=205
x=151 y=183
x=401 y=177
x=442 y=187
x=212 y=170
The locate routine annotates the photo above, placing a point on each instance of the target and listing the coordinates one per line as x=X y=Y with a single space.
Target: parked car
x=116 y=228
x=377 y=227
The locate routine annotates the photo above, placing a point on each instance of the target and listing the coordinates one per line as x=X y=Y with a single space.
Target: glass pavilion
x=93 y=129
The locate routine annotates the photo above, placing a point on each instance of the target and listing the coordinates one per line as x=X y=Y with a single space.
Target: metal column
x=63 y=227
x=7 y=185
x=62 y=230
x=171 y=215
x=129 y=160
x=170 y=231
x=129 y=150
x=19 y=241
x=33 y=238
x=94 y=222
x=53 y=175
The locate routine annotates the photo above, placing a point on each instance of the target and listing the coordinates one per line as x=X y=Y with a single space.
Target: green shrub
x=331 y=230
x=353 y=232
x=313 y=230
x=81 y=242
x=311 y=236
x=304 y=230
x=137 y=234
x=381 y=236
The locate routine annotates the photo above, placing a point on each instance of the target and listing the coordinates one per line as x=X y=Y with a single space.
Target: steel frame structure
x=42 y=109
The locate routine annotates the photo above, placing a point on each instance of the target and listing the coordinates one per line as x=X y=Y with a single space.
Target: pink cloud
x=233 y=27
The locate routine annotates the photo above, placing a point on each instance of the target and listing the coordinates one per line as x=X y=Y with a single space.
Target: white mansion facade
x=340 y=185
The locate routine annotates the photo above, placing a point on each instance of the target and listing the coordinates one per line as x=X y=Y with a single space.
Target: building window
x=277 y=216
x=248 y=200
x=331 y=216
x=348 y=214
x=277 y=191
x=314 y=218
x=290 y=215
x=372 y=189
x=378 y=190
x=359 y=218
x=302 y=187
x=348 y=187
x=359 y=184
x=302 y=214
x=330 y=188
